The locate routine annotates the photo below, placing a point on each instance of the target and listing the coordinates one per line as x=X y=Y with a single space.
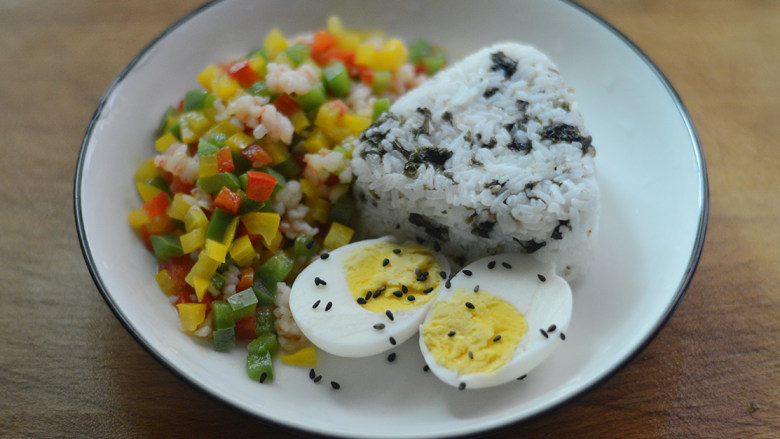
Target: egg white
x=543 y=301
x=347 y=329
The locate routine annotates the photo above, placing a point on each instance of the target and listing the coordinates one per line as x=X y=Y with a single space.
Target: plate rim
x=682 y=287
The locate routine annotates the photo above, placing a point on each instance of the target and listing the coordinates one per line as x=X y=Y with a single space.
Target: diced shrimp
x=255 y=112
x=276 y=124
x=176 y=161
x=284 y=79
x=247 y=109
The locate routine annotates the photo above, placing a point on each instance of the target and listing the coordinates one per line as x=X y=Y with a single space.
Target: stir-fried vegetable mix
x=252 y=175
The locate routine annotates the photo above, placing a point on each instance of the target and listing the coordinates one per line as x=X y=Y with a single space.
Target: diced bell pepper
x=191 y=315
x=338 y=236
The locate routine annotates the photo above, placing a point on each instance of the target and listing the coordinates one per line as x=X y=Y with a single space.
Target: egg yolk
x=473 y=332
x=388 y=276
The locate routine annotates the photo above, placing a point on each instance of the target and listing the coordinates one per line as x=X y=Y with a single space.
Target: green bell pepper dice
x=224 y=339
x=260 y=367
x=264 y=321
x=263 y=343
x=337 y=79
x=222 y=314
x=243 y=304
x=214 y=183
x=218 y=224
x=166 y=246
x=274 y=270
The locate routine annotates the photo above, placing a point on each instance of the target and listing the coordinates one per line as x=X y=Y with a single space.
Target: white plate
x=654 y=213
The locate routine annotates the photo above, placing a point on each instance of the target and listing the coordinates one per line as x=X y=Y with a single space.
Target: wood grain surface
x=69 y=369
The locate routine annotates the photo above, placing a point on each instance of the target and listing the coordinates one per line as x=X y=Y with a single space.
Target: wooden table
x=68 y=368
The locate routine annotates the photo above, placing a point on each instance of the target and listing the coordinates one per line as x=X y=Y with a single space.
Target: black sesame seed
x=310 y=244
x=385 y=262
x=469 y=305
x=497 y=338
x=263 y=377
x=471 y=355
x=325 y=256
x=318 y=281
x=443 y=274
x=391 y=357
x=521 y=378
x=461 y=386
x=476 y=288
x=506 y=265
x=389 y=314
x=404 y=289
x=541 y=277
x=317 y=379
x=417 y=272
x=427 y=290
x=328 y=306
x=392 y=341
x=397 y=293
x=450 y=334
x=426 y=368
x=447 y=284
x=410 y=298
x=368 y=295
x=551 y=328
x=316 y=304
x=467 y=272
x=361 y=301
x=335 y=385
x=397 y=251
x=492 y=265
x=312 y=374
x=544 y=333
x=379 y=326
x=563 y=336
x=377 y=293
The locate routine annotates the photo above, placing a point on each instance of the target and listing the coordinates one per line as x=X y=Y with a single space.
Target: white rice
x=490 y=155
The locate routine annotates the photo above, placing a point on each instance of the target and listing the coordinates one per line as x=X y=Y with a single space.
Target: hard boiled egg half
x=364 y=298
x=495 y=320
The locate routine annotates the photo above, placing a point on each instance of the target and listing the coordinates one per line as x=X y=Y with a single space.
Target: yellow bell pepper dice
x=316 y=141
x=165 y=282
x=242 y=251
x=193 y=240
x=392 y=55
x=355 y=123
x=306 y=357
x=147 y=191
x=195 y=219
x=178 y=208
x=365 y=54
x=274 y=43
x=208 y=75
x=216 y=250
x=339 y=235
x=146 y=171
x=138 y=218
x=191 y=315
x=238 y=141
x=264 y=224
x=208 y=166
x=163 y=142
x=201 y=287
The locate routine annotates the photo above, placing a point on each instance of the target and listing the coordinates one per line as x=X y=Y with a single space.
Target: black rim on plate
x=703 y=192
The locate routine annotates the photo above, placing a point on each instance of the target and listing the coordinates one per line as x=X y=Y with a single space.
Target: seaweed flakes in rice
x=504 y=166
